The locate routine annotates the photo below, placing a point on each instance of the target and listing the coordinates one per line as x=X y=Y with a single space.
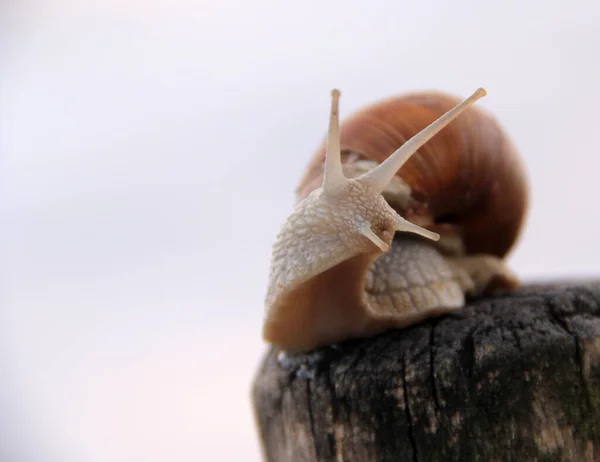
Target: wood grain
x=508 y=378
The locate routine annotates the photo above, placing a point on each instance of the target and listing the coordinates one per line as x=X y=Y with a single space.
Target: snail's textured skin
x=322 y=237
x=510 y=377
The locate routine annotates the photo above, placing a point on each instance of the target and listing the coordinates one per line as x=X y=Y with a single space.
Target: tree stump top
x=510 y=377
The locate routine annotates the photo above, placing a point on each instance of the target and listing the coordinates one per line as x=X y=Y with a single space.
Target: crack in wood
x=409 y=418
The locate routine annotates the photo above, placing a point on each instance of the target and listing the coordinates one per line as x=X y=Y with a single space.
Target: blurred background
x=149 y=154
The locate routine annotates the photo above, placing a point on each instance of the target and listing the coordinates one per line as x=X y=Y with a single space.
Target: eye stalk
x=379 y=177
x=334 y=175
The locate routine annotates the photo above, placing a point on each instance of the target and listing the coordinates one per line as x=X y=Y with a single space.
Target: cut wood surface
x=514 y=377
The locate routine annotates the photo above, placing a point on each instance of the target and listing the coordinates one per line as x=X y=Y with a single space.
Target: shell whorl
x=468 y=176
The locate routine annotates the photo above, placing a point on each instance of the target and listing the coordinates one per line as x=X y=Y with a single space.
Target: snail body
x=390 y=229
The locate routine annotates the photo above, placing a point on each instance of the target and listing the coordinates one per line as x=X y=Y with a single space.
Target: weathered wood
x=509 y=378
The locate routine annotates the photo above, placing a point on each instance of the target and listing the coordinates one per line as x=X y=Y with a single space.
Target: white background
x=149 y=155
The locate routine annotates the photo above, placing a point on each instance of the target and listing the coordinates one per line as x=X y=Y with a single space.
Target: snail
x=388 y=229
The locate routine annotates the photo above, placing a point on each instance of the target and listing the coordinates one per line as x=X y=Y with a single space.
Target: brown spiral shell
x=468 y=176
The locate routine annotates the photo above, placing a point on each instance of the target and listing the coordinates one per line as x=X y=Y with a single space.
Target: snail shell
x=459 y=202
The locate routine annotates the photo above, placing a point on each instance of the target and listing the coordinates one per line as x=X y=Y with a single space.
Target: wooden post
x=510 y=378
